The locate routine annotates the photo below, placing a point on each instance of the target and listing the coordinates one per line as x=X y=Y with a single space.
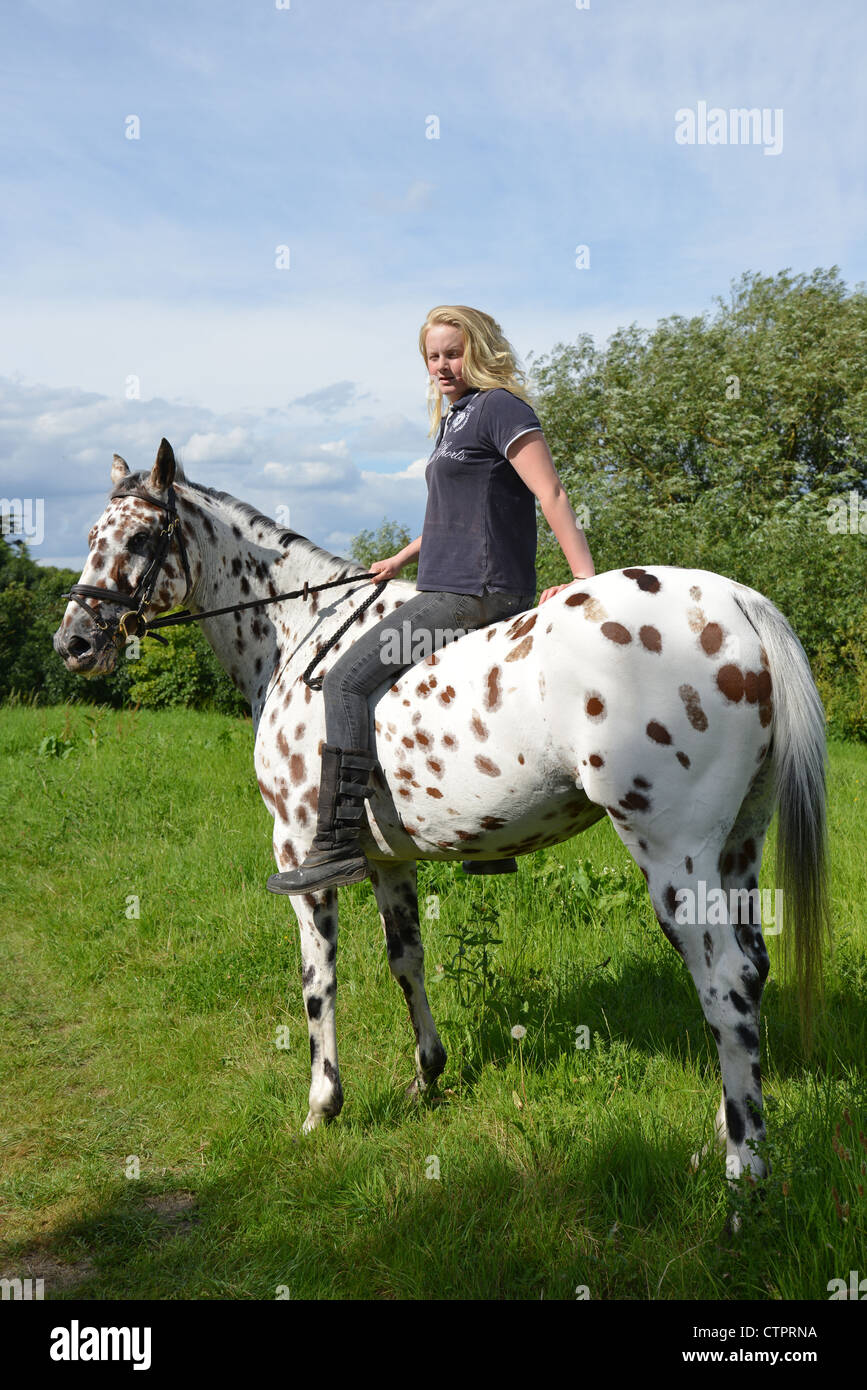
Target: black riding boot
x=336 y=855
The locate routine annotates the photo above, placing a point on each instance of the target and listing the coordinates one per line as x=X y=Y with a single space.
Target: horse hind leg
x=694 y=915
x=739 y=865
x=395 y=887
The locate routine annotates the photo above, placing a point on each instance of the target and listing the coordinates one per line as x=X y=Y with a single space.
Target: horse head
x=137 y=567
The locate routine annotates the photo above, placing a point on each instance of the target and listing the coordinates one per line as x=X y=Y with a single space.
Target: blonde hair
x=489 y=358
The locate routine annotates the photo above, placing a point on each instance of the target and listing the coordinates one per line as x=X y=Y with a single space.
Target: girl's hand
x=385 y=569
x=549 y=593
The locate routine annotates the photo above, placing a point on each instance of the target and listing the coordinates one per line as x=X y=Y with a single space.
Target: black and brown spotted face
x=122 y=547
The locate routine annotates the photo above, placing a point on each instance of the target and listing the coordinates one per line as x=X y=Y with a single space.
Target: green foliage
x=469 y=967
x=841 y=675
x=595 y=891
x=30 y=609
x=719 y=443
x=56 y=746
x=184 y=673
x=768 y=396
x=561 y=1162
x=391 y=537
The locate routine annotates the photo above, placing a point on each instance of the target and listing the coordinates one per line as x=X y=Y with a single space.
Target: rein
x=138 y=600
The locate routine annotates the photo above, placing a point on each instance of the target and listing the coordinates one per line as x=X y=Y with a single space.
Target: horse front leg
x=317 y=924
x=395 y=886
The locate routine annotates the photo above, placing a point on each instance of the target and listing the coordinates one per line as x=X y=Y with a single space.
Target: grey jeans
x=421 y=625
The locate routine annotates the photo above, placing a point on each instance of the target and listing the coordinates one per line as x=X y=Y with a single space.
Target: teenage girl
x=476 y=557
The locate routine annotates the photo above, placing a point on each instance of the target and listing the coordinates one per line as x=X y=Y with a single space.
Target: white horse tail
x=799 y=753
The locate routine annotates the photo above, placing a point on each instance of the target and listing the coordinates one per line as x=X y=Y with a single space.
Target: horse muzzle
x=86 y=652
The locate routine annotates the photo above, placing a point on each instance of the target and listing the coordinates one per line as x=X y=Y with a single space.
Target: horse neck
x=241 y=556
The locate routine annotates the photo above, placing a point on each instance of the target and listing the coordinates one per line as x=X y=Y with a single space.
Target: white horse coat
x=677 y=702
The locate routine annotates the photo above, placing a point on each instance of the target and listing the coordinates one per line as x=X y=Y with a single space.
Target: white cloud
x=315 y=473
x=413 y=473
x=214 y=447
x=330 y=400
x=266 y=463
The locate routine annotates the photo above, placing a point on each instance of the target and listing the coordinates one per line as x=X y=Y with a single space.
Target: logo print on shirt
x=457 y=421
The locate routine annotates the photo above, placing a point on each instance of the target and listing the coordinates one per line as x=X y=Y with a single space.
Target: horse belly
x=469 y=759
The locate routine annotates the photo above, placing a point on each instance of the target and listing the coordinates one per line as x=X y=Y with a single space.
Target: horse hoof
x=419 y=1090
x=696 y=1160
x=315 y=1120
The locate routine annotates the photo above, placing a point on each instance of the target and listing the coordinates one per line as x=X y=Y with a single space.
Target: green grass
x=154 y=1037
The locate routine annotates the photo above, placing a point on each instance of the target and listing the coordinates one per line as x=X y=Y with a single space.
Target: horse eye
x=139 y=543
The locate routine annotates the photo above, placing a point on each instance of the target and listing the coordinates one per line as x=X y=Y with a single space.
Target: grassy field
x=150 y=1123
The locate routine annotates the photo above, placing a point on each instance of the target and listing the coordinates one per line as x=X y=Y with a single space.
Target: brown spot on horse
x=522 y=626
x=730 y=680
x=648 y=582
x=493 y=695
x=711 y=638
x=616 y=632
x=651 y=638
x=658 y=732
x=521 y=650
x=692 y=704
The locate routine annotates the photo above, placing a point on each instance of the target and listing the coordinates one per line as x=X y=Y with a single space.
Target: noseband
x=138 y=601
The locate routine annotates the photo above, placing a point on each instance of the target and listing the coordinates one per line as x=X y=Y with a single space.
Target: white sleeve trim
x=528 y=429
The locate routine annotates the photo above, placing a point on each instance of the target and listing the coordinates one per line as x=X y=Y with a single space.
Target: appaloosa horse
x=676 y=702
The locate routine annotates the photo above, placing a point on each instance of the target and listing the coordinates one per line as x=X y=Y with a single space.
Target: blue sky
x=306 y=127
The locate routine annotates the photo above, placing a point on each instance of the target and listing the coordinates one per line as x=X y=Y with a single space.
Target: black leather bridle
x=138 y=600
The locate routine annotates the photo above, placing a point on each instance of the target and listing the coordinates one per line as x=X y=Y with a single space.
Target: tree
x=720 y=442
x=391 y=537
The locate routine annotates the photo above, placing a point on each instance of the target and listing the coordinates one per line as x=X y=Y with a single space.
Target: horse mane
x=239 y=511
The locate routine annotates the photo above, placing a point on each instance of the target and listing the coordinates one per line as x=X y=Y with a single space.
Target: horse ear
x=119 y=469
x=163 y=471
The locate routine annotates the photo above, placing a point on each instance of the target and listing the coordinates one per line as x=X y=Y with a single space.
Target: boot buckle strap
x=353 y=789
x=359 y=762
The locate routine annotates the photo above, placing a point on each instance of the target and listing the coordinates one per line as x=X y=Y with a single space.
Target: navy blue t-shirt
x=480 y=524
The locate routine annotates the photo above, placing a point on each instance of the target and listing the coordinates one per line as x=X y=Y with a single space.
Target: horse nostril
x=78 y=647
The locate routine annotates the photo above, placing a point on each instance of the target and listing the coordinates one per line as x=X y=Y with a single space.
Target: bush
x=841 y=675
x=184 y=673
